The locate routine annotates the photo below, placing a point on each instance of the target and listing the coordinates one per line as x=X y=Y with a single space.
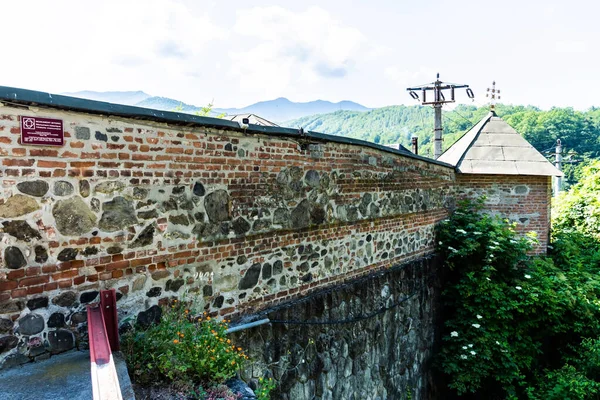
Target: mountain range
x=277 y=110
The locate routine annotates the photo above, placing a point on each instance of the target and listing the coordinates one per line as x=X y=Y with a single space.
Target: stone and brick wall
x=239 y=221
x=525 y=200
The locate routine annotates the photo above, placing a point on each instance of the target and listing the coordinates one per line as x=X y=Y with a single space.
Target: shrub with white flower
x=484 y=255
x=532 y=343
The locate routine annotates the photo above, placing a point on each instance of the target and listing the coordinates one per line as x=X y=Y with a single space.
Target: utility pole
x=438 y=101
x=558 y=164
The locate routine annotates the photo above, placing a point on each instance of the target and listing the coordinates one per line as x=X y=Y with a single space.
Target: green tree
x=579 y=208
x=579 y=131
x=203 y=112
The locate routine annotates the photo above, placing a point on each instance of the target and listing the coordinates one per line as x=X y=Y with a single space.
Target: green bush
x=265 y=386
x=579 y=208
x=515 y=325
x=576 y=380
x=486 y=331
x=571 y=249
x=183 y=347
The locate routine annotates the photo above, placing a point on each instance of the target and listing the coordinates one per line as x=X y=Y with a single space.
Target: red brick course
x=506 y=196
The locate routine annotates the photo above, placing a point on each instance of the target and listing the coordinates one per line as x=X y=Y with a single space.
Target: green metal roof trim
x=32 y=97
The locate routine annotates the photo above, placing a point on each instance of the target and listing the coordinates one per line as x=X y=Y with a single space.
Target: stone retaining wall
x=385 y=356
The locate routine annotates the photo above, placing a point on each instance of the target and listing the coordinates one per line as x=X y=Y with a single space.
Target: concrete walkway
x=64 y=376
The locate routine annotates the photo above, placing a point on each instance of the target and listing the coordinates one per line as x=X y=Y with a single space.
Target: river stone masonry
x=373 y=354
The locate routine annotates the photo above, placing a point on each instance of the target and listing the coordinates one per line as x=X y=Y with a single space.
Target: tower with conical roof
x=493 y=160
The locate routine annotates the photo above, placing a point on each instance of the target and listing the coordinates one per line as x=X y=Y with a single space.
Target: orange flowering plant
x=185 y=346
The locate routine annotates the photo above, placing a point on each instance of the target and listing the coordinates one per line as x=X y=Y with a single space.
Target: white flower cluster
x=472 y=352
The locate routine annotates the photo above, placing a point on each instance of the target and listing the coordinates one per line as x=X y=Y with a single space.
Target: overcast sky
x=238 y=52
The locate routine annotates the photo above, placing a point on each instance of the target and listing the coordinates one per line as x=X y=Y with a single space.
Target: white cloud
x=113 y=44
x=287 y=48
x=157 y=31
x=261 y=70
x=398 y=75
x=237 y=53
x=405 y=78
x=571 y=46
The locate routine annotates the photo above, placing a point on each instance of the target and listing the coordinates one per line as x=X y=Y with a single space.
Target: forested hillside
x=578 y=131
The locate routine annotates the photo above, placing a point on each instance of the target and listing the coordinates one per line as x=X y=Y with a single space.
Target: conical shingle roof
x=494 y=147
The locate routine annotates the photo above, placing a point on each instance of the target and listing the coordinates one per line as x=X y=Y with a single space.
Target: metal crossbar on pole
x=439 y=99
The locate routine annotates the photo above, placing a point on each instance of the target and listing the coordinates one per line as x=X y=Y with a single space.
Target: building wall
x=239 y=221
x=525 y=200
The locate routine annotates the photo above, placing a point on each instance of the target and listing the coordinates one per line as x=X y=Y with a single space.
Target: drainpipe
x=248 y=325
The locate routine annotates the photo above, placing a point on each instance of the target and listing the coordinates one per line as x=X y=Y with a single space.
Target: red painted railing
x=104 y=338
